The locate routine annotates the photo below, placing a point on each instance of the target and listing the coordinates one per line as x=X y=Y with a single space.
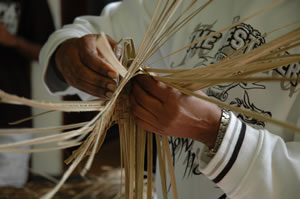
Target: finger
x=98 y=64
x=139 y=111
x=91 y=89
x=80 y=71
x=90 y=82
x=95 y=79
x=153 y=87
x=89 y=56
x=150 y=103
x=118 y=50
x=147 y=126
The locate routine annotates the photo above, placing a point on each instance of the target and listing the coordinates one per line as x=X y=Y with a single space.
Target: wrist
x=56 y=71
x=214 y=124
x=223 y=124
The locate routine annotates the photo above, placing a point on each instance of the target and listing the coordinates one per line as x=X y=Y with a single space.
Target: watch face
x=10 y=15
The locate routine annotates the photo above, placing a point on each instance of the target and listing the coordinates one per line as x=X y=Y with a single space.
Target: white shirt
x=255 y=160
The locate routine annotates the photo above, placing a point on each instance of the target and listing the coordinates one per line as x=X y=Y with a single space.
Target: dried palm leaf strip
x=107 y=112
x=157 y=28
x=238 y=64
x=124 y=150
x=110 y=55
x=217 y=81
x=242 y=65
x=239 y=110
x=39 y=150
x=174 y=28
x=105 y=117
x=29 y=118
x=46 y=139
x=56 y=106
x=162 y=167
x=140 y=150
x=41 y=130
x=278 y=2
x=132 y=156
x=166 y=149
x=69 y=171
x=98 y=132
x=149 y=164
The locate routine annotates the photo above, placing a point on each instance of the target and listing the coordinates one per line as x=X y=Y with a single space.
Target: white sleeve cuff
x=235 y=154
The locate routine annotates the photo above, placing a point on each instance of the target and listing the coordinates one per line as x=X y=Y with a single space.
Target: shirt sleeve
x=81 y=26
x=253 y=162
x=120 y=19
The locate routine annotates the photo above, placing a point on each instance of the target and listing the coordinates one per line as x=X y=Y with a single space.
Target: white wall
x=48 y=162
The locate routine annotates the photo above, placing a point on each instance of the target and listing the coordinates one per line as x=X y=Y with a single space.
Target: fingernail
x=109 y=94
x=118 y=51
x=112 y=74
x=111 y=87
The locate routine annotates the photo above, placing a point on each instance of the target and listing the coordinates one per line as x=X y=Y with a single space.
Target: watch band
x=225 y=118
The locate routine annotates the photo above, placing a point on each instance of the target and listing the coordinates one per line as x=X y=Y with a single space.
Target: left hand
x=167 y=111
x=6 y=38
x=82 y=66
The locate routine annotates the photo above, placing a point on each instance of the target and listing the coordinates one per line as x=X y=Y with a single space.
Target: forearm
x=27 y=49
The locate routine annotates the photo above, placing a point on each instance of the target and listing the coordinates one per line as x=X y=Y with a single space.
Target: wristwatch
x=225 y=118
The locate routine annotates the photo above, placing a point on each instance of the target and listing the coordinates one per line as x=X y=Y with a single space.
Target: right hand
x=84 y=68
x=168 y=112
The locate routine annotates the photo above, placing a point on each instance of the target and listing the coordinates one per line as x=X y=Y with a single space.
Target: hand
x=166 y=111
x=83 y=66
x=6 y=38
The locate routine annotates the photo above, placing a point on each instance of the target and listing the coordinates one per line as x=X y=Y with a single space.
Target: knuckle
x=85 y=56
x=71 y=81
x=100 y=82
x=134 y=110
x=85 y=39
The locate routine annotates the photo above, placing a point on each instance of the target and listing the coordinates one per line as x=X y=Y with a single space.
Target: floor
x=109 y=155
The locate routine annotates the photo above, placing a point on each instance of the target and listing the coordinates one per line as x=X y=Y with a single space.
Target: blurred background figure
x=24 y=27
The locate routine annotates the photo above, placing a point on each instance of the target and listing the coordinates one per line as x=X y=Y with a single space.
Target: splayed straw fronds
x=90 y=135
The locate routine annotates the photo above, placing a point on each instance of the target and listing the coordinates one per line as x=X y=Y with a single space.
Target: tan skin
x=87 y=70
x=156 y=107
x=166 y=111
x=26 y=48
